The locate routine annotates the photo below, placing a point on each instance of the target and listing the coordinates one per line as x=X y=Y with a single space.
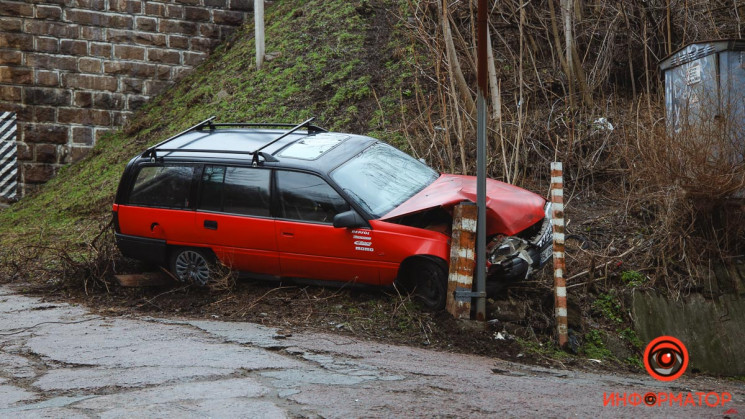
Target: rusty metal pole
x=460 y=277
x=481 y=75
x=557 y=220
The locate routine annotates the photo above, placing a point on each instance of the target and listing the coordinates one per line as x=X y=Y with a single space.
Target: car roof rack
x=312 y=129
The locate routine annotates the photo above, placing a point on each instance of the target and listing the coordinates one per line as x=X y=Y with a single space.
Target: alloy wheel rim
x=192 y=267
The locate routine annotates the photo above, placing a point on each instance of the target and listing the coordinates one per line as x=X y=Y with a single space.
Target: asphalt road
x=59 y=360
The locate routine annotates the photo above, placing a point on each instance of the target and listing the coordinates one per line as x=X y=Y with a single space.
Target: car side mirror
x=349 y=219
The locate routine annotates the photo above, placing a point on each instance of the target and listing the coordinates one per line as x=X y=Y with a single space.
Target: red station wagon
x=283 y=201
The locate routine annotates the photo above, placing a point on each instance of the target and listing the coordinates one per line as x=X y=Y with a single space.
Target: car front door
x=309 y=245
x=234 y=219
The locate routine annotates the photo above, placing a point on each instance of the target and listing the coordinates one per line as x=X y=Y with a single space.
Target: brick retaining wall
x=74 y=69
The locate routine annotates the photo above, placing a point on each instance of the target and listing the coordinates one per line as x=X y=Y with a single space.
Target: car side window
x=235 y=190
x=162 y=186
x=307 y=197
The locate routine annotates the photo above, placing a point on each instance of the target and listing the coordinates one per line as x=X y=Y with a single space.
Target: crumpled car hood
x=510 y=209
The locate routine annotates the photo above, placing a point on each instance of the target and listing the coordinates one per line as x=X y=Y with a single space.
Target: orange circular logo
x=666 y=358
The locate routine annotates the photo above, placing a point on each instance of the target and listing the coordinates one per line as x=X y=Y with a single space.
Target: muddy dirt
x=372 y=314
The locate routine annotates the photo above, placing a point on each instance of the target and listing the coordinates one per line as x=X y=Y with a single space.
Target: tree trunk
x=453 y=62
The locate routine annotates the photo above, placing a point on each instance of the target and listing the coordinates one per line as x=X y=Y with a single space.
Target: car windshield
x=381 y=178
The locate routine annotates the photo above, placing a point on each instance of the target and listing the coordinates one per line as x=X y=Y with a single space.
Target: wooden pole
x=462 y=260
x=259 y=34
x=557 y=221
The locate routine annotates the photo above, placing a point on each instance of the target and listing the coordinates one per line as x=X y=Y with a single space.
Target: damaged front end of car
x=514 y=258
x=518 y=224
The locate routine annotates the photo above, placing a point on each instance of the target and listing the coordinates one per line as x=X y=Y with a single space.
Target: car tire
x=426 y=281
x=192 y=265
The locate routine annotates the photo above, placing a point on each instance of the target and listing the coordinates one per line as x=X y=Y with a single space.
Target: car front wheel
x=426 y=281
x=192 y=265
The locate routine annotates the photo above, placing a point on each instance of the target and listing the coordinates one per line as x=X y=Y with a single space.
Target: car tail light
x=115 y=215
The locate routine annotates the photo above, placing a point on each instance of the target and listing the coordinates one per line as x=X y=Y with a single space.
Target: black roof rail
x=312 y=129
x=150 y=152
x=255 y=160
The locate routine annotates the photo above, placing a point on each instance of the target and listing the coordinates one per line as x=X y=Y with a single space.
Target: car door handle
x=288 y=234
x=210 y=224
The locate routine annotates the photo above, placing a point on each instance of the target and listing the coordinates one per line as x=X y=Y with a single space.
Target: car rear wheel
x=426 y=281
x=192 y=265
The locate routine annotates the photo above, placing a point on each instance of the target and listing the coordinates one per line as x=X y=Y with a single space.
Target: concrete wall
x=712 y=328
x=74 y=69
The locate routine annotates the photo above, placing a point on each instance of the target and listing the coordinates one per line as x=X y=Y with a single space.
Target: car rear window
x=162 y=186
x=235 y=190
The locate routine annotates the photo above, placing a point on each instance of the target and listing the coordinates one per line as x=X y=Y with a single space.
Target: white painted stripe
x=10 y=190
x=558 y=237
x=8 y=149
x=561 y=291
x=558 y=273
x=561 y=312
x=557 y=207
x=557 y=192
x=557 y=179
x=558 y=255
x=559 y=222
x=465 y=253
x=6 y=169
x=5 y=125
x=461 y=279
x=556 y=165
x=467 y=224
x=11 y=184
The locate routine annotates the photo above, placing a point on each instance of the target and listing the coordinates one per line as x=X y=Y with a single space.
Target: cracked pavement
x=60 y=360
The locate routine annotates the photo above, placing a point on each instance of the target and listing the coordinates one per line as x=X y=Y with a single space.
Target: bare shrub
x=222 y=279
x=688 y=180
x=601 y=115
x=90 y=264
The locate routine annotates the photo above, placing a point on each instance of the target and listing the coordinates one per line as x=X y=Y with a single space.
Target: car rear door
x=159 y=205
x=234 y=217
x=309 y=245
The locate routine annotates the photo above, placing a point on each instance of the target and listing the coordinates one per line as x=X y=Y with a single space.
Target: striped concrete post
x=462 y=260
x=8 y=157
x=557 y=221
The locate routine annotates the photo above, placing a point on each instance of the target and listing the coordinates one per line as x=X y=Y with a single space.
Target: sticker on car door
x=362 y=240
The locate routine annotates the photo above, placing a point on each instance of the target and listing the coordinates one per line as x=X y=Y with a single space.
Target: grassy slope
x=333 y=62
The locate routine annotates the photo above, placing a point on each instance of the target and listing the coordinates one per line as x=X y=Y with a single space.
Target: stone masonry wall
x=74 y=69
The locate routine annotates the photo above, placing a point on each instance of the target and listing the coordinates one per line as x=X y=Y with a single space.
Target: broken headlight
x=545 y=235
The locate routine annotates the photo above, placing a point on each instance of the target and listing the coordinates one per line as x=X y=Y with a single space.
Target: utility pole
x=259 y=34
x=481 y=75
